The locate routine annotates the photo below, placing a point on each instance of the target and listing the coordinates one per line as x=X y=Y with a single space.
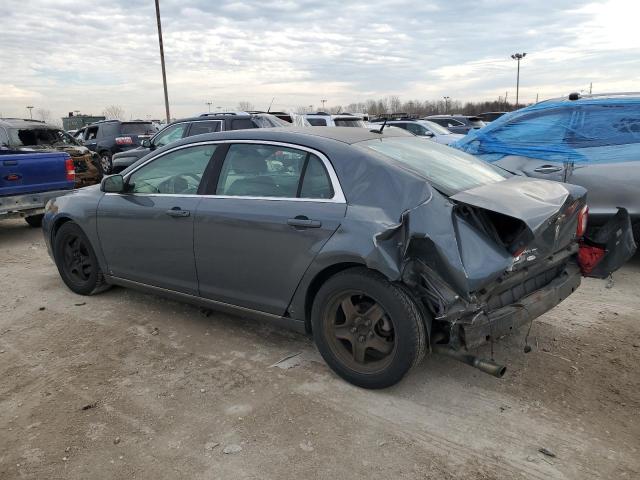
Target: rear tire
x=106 y=164
x=76 y=261
x=35 y=221
x=368 y=330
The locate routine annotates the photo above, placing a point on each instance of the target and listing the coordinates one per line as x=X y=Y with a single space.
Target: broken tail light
x=583 y=217
x=589 y=256
x=124 y=140
x=70 y=169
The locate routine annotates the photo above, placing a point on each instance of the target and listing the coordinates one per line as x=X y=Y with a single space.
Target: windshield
x=434 y=127
x=138 y=128
x=265 y=120
x=31 y=137
x=349 y=122
x=448 y=170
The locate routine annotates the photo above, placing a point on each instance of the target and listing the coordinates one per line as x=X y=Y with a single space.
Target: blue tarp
x=599 y=129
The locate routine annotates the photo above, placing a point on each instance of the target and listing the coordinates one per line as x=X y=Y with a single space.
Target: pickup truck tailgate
x=30 y=173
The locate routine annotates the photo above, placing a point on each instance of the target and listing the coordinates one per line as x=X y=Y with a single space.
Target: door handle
x=303 y=222
x=178 y=212
x=547 y=169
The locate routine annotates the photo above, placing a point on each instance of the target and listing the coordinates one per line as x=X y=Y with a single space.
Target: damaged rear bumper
x=494 y=324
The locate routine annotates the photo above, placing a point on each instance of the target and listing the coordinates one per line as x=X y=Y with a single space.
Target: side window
x=316 y=182
x=170 y=134
x=317 y=122
x=241 y=124
x=198 y=128
x=607 y=124
x=178 y=172
x=4 y=139
x=91 y=133
x=535 y=129
x=271 y=171
x=415 y=128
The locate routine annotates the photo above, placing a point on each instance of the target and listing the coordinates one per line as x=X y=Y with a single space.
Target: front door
x=271 y=211
x=146 y=233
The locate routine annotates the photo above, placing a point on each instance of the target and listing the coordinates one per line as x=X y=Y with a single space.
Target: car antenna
x=384 y=124
x=271 y=104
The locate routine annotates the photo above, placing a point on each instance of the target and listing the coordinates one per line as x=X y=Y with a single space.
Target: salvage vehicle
x=422 y=128
x=461 y=124
x=587 y=140
x=33 y=136
x=29 y=180
x=323 y=119
x=188 y=127
x=108 y=137
x=383 y=246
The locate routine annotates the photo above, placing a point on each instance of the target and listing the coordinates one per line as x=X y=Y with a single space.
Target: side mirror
x=429 y=134
x=112 y=184
x=146 y=143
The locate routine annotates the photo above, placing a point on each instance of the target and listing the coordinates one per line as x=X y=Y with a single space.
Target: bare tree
x=43 y=114
x=113 y=112
x=245 y=106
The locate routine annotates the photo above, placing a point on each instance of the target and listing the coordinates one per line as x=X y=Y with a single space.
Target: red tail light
x=71 y=170
x=583 y=217
x=124 y=140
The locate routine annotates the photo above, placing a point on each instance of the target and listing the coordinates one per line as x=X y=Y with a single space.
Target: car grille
x=530 y=285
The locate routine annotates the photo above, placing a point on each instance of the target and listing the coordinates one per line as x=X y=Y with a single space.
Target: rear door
x=146 y=233
x=268 y=212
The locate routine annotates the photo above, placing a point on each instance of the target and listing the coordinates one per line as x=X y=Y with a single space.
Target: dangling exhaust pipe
x=486 y=366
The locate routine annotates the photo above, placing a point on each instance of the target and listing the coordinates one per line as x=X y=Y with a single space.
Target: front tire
x=367 y=329
x=76 y=261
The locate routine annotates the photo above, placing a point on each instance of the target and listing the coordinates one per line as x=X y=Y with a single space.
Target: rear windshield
x=31 y=137
x=265 y=120
x=448 y=170
x=138 y=128
x=349 y=122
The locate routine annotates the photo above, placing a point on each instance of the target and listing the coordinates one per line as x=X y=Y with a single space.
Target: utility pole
x=590 y=88
x=208 y=104
x=446 y=104
x=30 y=108
x=164 y=73
x=537 y=97
x=518 y=57
x=506 y=95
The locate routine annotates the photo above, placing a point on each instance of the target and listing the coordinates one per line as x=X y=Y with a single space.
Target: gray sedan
x=381 y=245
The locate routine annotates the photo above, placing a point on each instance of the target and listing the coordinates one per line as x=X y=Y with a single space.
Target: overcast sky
x=65 y=55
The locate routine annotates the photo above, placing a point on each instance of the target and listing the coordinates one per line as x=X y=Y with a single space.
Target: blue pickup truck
x=29 y=180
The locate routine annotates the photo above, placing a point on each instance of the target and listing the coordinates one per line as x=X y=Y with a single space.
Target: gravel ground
x=128 y=385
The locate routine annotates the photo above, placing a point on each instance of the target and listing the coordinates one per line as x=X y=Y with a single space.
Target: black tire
x=35 y=221
x=398 y=322
x=106 y=164
x=76 y=261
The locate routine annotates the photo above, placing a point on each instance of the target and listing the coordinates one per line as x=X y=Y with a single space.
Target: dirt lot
x=127 y=385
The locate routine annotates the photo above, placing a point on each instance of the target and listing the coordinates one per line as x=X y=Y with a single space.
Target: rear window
x=349 y=122
x=268 y=121
x=137 y=128
x=448 y=170
x=317 y=122
x=31 y=137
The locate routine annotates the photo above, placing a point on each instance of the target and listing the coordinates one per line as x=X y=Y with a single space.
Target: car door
x=146 y=233
x=269 y=212
x=91 y=138
x=535 y=145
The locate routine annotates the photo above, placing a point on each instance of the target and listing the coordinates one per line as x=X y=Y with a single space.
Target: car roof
x=24 y=123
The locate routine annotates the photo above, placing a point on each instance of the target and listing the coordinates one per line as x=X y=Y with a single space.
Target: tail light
x=583 y=216
x=70 y=169
x=124 y=140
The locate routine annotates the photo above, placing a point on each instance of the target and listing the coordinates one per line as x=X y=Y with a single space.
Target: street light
x=323 y=102
x=446 y=104
x=518 y=57
x=164 y=73
x=30 y=107
x=209 y=105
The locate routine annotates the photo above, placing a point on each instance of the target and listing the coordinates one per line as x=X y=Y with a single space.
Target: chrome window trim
x=338 y=194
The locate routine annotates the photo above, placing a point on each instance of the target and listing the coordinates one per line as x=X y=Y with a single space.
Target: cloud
x=67 y=56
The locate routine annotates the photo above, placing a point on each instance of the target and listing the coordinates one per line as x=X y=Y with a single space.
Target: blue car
x=592 y=141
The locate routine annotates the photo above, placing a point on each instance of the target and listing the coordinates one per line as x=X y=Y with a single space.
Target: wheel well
x=57 y=225
x=317 y=282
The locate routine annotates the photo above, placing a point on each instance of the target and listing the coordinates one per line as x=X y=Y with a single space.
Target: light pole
x=446 y=104
x=30 y=108
x=209 y=105
x=323 y=102
x=164 y=73
x=518 y=57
